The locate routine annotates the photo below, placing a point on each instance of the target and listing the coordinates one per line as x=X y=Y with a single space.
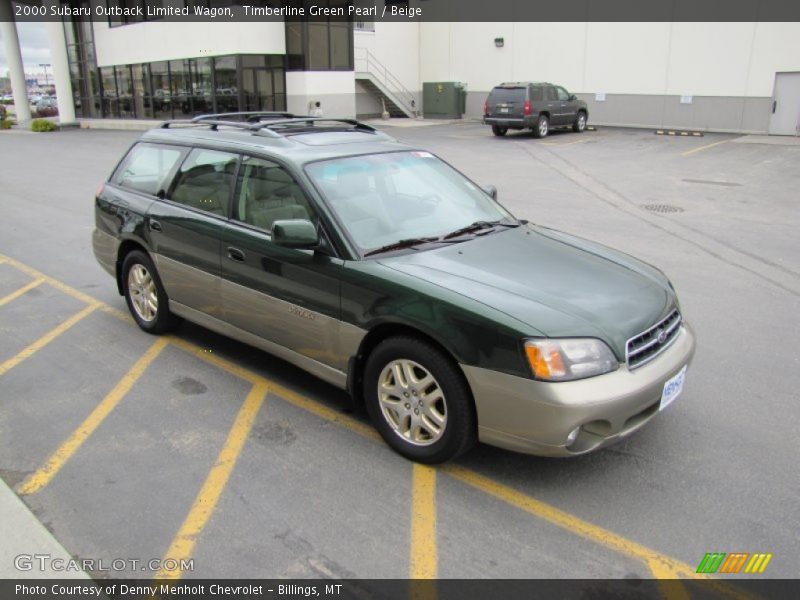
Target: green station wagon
x=382 y=270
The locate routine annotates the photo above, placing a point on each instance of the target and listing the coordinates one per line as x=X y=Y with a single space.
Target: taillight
x=486 y=106
x=528 y=108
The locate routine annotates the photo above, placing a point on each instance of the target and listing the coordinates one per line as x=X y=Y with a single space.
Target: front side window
x=265 y=193
x=381 y=199
x=204 y=180
x=563 y=94
x=146 y=168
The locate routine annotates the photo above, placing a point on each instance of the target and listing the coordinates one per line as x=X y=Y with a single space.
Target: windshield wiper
x=477 y=226
x=400 y=244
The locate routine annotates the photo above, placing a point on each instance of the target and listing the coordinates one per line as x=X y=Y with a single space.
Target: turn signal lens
x=569 y=359
x=545 y=361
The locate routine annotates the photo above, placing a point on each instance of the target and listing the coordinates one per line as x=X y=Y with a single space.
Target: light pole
x=46 y=77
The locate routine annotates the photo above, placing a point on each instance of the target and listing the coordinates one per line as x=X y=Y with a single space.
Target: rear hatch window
x=507 y=101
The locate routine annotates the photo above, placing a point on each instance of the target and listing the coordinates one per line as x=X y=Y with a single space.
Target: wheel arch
x=375 y=335
x=126 y=247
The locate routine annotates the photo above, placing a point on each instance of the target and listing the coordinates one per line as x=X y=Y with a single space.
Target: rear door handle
x=235 y=254
x=155 y=225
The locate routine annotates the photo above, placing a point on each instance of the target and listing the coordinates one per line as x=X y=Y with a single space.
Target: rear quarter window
x=147 y=167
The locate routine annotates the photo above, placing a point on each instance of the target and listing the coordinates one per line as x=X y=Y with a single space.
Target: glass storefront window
x=125 y=92
x=202 y=89
x=142 y=94
x=180 y=77
x=226 y=89
x=110 y=102
x=162 y=96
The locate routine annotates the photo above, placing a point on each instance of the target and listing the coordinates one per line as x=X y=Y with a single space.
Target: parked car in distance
x=538 y=106
x=2 y=112
x=381 y=269
x=46 y=102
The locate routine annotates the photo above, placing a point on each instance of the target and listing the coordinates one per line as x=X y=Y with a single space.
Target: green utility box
x=444 y=99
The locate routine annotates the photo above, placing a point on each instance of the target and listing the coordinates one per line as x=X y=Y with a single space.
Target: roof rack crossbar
x=213 y=124
x=252 y=116
x=311 y=120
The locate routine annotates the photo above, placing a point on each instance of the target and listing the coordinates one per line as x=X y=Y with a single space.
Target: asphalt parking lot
x=196 y=447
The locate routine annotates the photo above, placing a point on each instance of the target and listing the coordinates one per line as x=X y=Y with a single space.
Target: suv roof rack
x=249 y=116
x=293 y=125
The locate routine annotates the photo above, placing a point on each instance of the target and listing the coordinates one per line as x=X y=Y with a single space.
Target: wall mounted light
x=499 y=42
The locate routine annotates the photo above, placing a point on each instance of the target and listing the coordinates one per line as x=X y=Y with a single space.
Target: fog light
x=573 y=435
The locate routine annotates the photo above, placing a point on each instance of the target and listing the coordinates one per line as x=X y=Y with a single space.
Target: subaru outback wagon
x=535 y=106
x=382 y=270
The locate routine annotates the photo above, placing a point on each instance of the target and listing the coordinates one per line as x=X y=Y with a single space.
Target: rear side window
x=205 y=180
x=550 y=94
x=502 y=94
x=147 y=167
x=537 y=94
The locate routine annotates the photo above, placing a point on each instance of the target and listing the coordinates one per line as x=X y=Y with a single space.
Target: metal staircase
x=380 y=82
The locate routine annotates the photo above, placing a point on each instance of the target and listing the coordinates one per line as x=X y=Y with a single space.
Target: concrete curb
x=23 y=534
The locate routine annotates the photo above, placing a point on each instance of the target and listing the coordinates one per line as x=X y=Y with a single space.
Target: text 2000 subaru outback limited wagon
x=384 y=271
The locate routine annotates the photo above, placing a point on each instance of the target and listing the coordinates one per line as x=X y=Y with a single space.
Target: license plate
x=503 y=110
x=672 y=388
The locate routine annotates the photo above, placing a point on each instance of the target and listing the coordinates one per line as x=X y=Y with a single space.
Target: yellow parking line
x=24 y=289
x=206 y=501
x=290 y=396
x=701 y=148
x=660 y=565
x=59 y=458
x=47 y=338
x=424 y=554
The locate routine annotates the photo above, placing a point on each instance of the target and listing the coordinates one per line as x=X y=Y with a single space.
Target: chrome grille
x=653 y=341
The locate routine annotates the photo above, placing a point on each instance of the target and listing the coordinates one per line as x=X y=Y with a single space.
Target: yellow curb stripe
x=47 y=338
x=424 y=554
x=23 y=290
x=59 y=458
x=701 y=148
x=182 y=546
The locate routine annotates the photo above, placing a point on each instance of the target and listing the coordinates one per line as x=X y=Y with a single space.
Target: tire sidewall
x=163 y=320
x=459 y=434
x=536 y=129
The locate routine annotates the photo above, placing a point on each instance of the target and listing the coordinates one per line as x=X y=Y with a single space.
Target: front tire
x=499 y=131
x=542 y=127
x=145 y=294
x=419 y=401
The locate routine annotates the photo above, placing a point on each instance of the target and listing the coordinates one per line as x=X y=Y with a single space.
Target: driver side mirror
x=295 y=233
x=572 y=97
x=491 y=190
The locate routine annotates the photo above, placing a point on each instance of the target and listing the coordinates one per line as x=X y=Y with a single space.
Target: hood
x=556 y=284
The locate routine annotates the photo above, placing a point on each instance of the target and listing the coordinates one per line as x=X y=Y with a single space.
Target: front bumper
x=535 y=417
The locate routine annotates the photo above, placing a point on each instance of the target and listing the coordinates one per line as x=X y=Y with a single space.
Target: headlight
x=569 y=359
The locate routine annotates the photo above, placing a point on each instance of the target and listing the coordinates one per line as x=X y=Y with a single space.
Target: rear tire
x=145 y=294
x=542 y=127
x=419 y=400
x=499 y=131
x=579 y=126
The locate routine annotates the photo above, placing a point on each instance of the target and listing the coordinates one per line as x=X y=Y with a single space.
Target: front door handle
x=155 y=225
x=235 y=254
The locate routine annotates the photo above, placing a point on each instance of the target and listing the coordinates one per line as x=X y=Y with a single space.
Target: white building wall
x=643 y=68
x=160 y=40
x=335 y=90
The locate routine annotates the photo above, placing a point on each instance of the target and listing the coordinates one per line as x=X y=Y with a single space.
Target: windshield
x=382 y=199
